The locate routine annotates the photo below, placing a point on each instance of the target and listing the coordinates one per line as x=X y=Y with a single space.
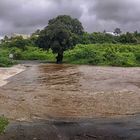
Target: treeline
x=100 y=38
x=85 y=38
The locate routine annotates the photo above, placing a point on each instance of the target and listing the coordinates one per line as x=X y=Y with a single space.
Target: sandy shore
x=6 y=73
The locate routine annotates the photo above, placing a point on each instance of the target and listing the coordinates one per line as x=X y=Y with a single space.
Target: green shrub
x=124 y=59
x=137 y=54
x=34 y=53
x=17 y=53
x=30 y=53
x=3 y=123
x=105 y=54
x=5 y=62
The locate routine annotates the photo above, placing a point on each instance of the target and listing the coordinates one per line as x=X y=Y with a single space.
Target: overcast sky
x=25 y=16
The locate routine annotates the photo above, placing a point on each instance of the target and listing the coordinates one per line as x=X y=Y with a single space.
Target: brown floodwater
x=51 y=91
x=68 y=102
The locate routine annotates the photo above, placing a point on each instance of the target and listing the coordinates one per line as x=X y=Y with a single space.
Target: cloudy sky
x=25 y=16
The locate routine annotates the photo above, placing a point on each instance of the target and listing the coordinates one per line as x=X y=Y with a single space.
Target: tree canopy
x=61 y=34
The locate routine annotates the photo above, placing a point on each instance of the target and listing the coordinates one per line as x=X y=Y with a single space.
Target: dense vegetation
x=105 y=54
x=62 y=34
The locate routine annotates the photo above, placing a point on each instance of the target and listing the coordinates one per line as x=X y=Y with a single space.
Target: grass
x=3 y=124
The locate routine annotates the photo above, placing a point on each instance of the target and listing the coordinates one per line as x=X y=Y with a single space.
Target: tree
x=36 y=33
x=61 y=34
x=17 y=42
x=117 y=31
x=128 y=38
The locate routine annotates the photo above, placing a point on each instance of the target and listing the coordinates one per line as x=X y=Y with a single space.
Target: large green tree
x=61 y=34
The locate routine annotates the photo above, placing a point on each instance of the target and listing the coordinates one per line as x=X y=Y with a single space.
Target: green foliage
x=30 y=53
x=128 y=38
x=17 y=53
x=17 y=42
x=61 y=34
x=34 y=53
x=98 y=38
x=72 y=25
x=4 y=60
x=101 y=38
x=3 y=123
x=105 y=54
x=123 y=59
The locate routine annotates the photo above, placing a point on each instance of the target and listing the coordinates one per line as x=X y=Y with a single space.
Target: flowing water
x=69 y=92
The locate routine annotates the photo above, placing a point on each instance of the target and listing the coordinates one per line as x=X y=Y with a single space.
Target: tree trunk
x=59 y=58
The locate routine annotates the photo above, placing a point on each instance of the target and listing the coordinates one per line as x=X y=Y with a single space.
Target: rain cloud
x=26 y=16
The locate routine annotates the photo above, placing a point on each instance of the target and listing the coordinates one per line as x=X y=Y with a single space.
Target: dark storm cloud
x=122 y=13
x=25 y=16
x=120 y=10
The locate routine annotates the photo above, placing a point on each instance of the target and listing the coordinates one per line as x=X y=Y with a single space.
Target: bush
x=34 y=53
x=30 y=53
x=5 y=62
x=3 y=123
x=17 y=53
x=124 y=59
x=137 y=54
x=105 y=54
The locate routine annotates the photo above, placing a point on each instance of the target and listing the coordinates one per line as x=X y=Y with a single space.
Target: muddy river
x=51 y=92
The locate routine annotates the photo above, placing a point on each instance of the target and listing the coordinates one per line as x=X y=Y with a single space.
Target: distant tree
x=137 y=36
x=86 y=38
x=117 y=31
x=61 y=34
x=104 y=31
x=17 y=42
x=34 y=37
x=136 y=33
x=5 y=39
x=36 y=33
x=99 y=37
x=128 y=38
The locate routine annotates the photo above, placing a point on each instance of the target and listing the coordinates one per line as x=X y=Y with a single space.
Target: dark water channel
x=65 y=102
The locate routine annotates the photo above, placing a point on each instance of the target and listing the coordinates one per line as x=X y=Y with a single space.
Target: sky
x=26 y=16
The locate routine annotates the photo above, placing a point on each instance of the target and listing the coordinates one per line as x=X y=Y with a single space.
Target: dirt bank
x=65 y=91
